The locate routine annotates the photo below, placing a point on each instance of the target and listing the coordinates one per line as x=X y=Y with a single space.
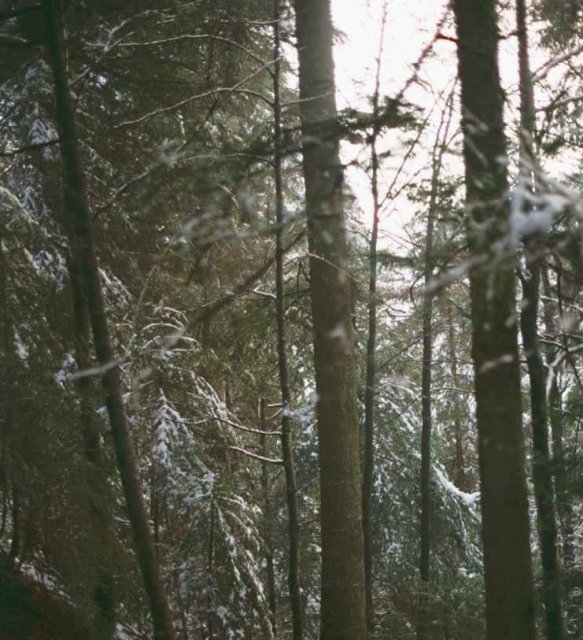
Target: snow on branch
x=256 y=456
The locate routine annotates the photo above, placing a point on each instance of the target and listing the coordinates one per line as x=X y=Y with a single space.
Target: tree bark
x=78 y=227
x=459 y=463
x=101 y=522
x=211 y=571
x=7 y=371
x=343 y=600
x=555 y=409
x=291 y=490
x=426 y=416
x=426 y=370
x=268 y=521
x=369 y=388
x=541 y=463
x=504 y=503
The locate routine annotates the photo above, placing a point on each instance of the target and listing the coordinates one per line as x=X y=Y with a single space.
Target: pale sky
x=411 y=25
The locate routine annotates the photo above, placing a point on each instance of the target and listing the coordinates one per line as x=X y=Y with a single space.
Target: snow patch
x=467 y=498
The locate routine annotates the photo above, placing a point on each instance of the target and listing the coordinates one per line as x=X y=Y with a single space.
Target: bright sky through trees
x=410 y=28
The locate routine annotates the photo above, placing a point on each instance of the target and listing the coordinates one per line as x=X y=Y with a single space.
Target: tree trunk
x=79 y=230
x=291 y=490
x=101 y=519
x=426 y=367
x=504 y=503
x=342 y=600
x=211 y=571
x=459 y=463
x=7 y=371
x=268 y=521
x=541 y=463
x=555 y=410
x=369 y=388
x=426 y=417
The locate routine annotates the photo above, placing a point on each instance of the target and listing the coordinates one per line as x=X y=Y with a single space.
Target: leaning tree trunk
x=78 y=227
x=541 y=463
x=504 y=502
x=342 y=599
x=291 y=490
x=101 y=518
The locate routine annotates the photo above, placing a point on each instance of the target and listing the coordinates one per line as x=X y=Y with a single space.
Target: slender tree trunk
x=369 y=400
x=83 y=253
x=294 y=579
x=504 y=502
x=211 y=570
x=343 y=594
x=459 y=464
x=15 y=542
x=370 y=381
x=426 y=417
x=426 y=367
x=7 y=371
x=541 y=463
x=555 y=410
x=101 y=522
x=269 y=521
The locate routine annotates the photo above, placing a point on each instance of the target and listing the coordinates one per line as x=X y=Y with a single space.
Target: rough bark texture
x=294 y=579
x=505 y=525
x=342 y=601
x=78 y=228
x=541 y=463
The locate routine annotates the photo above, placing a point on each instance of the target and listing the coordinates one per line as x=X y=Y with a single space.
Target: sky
x=411 y=25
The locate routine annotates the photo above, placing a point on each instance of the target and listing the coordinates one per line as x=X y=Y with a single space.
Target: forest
x=291 y=320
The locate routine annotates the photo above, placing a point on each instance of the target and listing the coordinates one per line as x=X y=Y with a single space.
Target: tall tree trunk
x=459 y=463
x=101 y=520
x=268 y=520
x=541 y=463
x=79 y=230
x=291 y=490
x=211 y=571
x=342 y=601
x=555 y=409
x=504 y=503
x=426 y=367
x=369 y=389
x=426 y=417
x=7 y=371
